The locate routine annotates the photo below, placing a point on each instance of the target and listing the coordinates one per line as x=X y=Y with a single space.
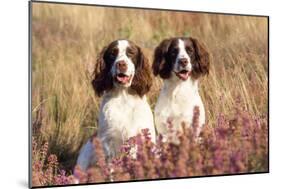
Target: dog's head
x=183 y=57
x=122 y=64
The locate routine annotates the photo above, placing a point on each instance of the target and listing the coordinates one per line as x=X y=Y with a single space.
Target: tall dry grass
x=66 y=40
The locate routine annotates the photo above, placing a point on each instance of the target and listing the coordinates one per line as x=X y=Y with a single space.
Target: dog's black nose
x=183 y=62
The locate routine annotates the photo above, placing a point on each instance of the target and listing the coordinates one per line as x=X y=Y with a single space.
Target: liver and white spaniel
x=179 y=62
x=122 y=77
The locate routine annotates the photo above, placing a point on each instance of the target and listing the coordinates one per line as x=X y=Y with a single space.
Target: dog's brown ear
x=160 y=66
x=103 y=80
x=201 y=65
x=142 y=80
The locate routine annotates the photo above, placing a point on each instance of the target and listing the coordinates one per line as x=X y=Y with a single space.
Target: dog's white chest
x=118 y=113
x=122 y=117
x=177 y=107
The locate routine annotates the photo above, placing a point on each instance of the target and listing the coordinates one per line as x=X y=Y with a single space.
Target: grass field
x=66 y=40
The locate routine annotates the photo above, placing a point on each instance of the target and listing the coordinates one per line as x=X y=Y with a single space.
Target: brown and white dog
x=122 y=77
x=180 y=62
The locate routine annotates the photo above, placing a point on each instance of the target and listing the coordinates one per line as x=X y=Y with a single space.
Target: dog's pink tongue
x=184 y=76
x=123 y=79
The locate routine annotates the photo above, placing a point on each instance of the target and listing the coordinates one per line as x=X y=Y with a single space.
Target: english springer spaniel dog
x=122 y=77
x=180 y=62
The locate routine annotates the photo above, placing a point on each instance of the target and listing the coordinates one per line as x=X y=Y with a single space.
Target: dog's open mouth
x=183 y=74
x=123 y=78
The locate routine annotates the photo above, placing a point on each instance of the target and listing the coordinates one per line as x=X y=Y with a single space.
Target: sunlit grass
x=67 y=39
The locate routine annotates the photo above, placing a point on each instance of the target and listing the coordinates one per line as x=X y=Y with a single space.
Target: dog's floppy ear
x=160 y=66
x=142 y=80
x=201 y=65
x=103 y=80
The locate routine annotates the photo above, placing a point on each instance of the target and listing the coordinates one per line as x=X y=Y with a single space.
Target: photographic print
x=121 y=94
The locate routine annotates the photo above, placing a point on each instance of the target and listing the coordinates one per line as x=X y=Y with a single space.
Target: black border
x=30 y=94
x=30 y=2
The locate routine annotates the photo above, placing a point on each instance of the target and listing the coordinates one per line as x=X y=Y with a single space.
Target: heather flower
x=195 y=121
x=95 y=175
x=45 y=169
x=80 y=175
x=236 y=144
x=61 y=178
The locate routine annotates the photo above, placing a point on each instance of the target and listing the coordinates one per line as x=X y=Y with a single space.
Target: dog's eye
x=130 y=52
x=189 y=50
x=174 y=52
x=113 y=54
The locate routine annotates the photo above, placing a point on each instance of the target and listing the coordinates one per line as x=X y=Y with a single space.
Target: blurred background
x=66 y=40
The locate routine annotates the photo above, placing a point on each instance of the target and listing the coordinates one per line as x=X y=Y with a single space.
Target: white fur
x=177 y=99
x=182 y=54
x=86 y=156
x=122 y=46
x=122 y=115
